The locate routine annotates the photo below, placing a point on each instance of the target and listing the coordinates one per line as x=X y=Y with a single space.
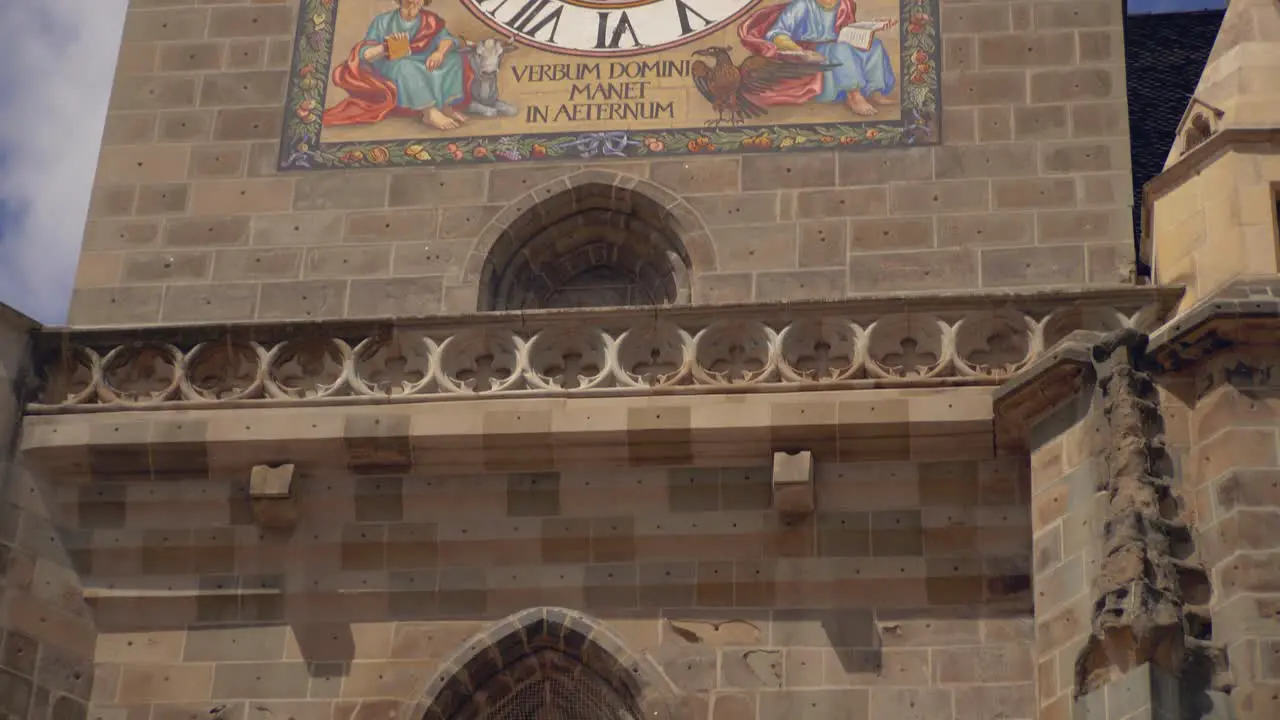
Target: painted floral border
x=301 y=148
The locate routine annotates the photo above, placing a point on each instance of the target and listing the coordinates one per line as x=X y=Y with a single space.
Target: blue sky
x=53 y=101
x=52 y=107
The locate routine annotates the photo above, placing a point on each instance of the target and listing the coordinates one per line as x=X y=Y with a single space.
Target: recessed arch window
x=594 y=245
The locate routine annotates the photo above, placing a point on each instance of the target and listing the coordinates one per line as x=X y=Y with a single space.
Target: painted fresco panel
x=413 y=82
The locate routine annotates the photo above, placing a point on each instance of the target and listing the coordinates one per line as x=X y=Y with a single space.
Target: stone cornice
x=956 y=339
x=1191 y=164
x=1245 y=313
x=538 y=434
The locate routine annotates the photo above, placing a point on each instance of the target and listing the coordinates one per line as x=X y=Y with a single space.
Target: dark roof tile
x=1164 y=57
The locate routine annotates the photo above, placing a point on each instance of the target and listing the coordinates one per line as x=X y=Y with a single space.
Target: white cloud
x=53 y=102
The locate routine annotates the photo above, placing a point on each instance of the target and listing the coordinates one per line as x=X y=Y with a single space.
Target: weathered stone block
x=759 y=247
x=190 y=56
x=1033 y=266
x=246 y=54
x=253 y=123
x=1027 y=49
x=775 y=172
x=271 y=495
x=988 y=160
x=923 y=270
x=217 y=161
x=793 y=494
x=796 y=285
x=303 y=299
x=985 y=87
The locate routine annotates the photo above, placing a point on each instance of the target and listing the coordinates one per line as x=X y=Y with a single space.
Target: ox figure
x=486 y=61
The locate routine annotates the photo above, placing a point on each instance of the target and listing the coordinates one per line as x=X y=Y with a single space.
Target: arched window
x=1198 y=130
x=594 y=245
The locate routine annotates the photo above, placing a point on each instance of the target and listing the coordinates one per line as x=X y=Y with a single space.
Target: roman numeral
x=530 y=18
x=495 y=9
x=614 y=40
x=685 y=11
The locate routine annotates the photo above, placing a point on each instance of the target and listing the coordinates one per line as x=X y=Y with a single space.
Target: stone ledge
x=505 y=435
x=1242 y=314
x=962 y=339
x=93 y=594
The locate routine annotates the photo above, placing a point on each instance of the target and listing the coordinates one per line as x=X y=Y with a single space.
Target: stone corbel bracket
x=271 y=495
x=1042 y=388
x=793 y=495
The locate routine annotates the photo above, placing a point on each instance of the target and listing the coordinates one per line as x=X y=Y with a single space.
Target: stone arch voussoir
x=554 y=201
x=585 y=642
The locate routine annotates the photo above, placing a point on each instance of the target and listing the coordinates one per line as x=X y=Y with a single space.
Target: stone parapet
x=931 y=341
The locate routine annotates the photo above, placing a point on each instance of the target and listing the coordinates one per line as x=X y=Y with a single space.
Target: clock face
x=607 y=28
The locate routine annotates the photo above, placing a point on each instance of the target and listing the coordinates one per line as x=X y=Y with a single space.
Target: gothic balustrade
x=964 y=340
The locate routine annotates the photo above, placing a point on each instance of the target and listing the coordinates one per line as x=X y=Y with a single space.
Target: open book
x=860 y=34
x=397 y=47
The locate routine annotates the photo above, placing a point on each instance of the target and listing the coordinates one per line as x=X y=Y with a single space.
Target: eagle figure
x=727 y=86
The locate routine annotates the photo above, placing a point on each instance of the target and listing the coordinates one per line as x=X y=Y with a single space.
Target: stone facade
x=190 y=221
x=878 y=602
x=1233 y=454
x=450 y=546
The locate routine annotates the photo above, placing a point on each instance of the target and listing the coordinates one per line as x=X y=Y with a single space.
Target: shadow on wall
x=383 y=599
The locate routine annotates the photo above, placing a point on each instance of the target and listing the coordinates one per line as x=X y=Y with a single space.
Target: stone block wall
x=1235 y=469
x=47 y=633
x=1219 y=223
x=1066 y=516
x=905 y=596
x=14 y=349
x=190 y=221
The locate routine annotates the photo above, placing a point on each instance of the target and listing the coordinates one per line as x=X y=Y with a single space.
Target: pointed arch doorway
x=546 y=664
x=557 y=688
